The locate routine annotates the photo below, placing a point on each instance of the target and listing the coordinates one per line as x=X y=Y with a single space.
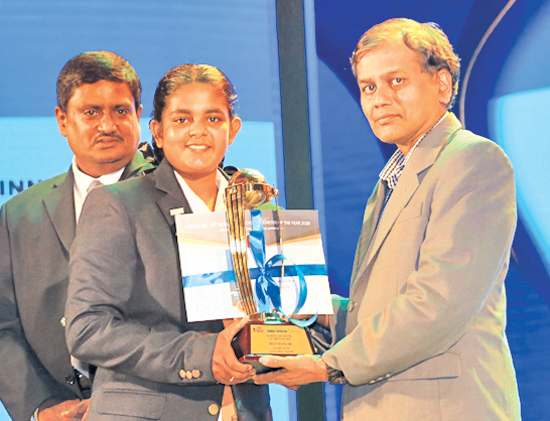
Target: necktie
x=93 y=185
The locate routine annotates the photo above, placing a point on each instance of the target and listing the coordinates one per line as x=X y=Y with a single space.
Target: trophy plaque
x=267 y=333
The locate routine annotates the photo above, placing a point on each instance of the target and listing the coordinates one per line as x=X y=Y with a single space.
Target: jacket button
x=70 y=379
x=188 y=375
x=388 y=376
x=63 y=321
x=351 y=306
x=372 y=382
x=196 y=374
x=182 y=374
x=213 y=409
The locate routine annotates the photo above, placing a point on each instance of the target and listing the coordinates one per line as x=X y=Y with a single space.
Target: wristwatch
x=336 y=376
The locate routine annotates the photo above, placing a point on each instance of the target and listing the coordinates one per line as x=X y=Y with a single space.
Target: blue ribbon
x=221 y=277
x=267 y=289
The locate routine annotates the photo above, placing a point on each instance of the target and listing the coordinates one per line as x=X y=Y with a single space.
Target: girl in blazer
x=125 y=311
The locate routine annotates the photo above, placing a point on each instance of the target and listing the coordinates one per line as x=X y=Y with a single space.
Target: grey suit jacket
x=422 y=335
x=37 y=228
x=126 y=313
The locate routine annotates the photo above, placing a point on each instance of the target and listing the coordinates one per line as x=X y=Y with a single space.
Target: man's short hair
x=91 y=67
x=426 y=39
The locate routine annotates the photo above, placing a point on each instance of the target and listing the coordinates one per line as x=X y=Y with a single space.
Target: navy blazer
x=126 y=313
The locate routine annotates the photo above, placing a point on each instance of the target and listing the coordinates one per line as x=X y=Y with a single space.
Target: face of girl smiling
x=196 y=129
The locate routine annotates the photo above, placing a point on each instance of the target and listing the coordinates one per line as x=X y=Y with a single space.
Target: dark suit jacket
x=422 y=335
x=126 y=313
x=37 y=228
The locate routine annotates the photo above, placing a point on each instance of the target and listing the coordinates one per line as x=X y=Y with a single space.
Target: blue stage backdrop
x=39 y=38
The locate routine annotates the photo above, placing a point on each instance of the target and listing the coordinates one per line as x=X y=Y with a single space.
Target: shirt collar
x=195 y=202
x=396 y=164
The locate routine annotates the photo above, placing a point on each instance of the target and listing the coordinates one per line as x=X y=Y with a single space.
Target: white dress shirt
x=195 y=202
x=82 y=183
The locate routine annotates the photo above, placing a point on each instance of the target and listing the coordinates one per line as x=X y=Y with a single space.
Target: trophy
x=268 y=332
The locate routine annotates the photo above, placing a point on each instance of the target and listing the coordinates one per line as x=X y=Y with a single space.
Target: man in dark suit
x=98 y=112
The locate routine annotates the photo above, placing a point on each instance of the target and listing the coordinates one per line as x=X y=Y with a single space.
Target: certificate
x=209 y=283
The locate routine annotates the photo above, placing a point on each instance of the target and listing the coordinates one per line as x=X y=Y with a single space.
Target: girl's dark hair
x=184 y=75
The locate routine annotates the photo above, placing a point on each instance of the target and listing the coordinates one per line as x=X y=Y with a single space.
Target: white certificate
x=210 y=288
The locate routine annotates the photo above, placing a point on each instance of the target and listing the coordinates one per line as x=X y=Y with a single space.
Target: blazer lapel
x=171 y=196
x=136 y=166
x=422 y=159
x=59 y=204
x=370 y=221
x=407 y=185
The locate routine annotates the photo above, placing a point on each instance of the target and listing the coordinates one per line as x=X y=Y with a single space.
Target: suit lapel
x=422 y=159
x=170 y=195
x=136 y=167
x=370 y=220
x=59 y=204
x=407 y=185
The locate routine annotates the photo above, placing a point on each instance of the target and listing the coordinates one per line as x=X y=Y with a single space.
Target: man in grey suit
x=422 y=335
x=98 y=112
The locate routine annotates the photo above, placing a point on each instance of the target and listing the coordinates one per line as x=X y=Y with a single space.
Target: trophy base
x=259 y=338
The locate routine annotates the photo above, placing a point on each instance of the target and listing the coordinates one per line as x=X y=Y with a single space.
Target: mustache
x=101 y=136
